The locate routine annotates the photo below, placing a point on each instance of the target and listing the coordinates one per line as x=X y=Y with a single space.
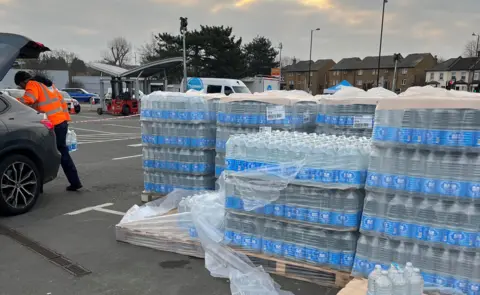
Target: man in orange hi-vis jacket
x=43 y=96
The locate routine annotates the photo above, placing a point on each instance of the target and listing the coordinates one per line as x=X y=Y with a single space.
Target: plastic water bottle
x=474 y=282
x=69 y=140
x=416 y=283
x=408 y=271
x=74 y=140
x=374 y=275
x=400 y=285
x=383 y=285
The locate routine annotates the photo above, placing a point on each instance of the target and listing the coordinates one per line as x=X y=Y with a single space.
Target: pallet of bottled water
x=423 y=187
x=279 y=111
x=329 y=161
x=349 y=112
x=178 y=136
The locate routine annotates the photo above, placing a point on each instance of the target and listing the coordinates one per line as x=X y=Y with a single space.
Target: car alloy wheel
x=18 y=185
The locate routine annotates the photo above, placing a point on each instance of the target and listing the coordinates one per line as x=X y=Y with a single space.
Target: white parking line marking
x=124 y=126
x=129 y=157
x=109 y=211
x=83 y=116
x=109 y=140
x=99 y=208
x=76 y=128
x=136 y=145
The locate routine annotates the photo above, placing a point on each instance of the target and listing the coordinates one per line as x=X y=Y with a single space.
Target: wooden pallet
x=148 y=197
x=323 y=276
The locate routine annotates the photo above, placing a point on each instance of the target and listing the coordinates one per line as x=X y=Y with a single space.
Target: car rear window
x=3 y=105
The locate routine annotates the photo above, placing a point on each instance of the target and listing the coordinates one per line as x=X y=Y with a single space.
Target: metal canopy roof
x=110 y=70
x=152 y=68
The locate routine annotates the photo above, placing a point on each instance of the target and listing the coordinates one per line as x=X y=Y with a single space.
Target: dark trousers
x=67 y=163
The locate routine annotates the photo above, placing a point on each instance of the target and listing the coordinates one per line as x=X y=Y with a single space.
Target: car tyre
x=125 y=110
x=77 y=109
x=21 y=183
x=100 y=111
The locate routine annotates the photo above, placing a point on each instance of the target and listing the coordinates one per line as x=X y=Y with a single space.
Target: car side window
x=228 y=90
x=214 y=89
x=3 y=106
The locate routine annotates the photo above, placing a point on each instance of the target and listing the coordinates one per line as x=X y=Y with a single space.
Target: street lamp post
x=280 y=47
x=310 y=60
x=381 y=39
x=183 y=31
x=477 y=52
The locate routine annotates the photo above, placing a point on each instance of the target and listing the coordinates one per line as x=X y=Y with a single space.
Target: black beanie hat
x=21 y=76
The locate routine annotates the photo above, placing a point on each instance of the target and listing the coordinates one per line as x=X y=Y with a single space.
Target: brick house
x=295 y=76
x=363 y=73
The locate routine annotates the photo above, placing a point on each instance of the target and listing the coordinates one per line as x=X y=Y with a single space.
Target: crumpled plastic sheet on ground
x=220 y=260
x=205 y=212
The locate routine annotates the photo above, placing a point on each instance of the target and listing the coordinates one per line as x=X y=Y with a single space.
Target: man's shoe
x=74 y=188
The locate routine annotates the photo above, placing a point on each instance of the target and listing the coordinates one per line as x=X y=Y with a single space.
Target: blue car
x=81 y=95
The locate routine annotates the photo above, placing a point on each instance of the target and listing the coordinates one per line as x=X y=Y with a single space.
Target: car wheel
x=77 y=109
x=20 y=182
x=125 y=110
x=99 y=111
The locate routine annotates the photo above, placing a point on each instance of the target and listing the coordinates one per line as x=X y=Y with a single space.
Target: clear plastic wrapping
x=279 y=111
x=349 y=112
x=178 y=136
x=326 y=161
x=445 y=268
x=422 y=203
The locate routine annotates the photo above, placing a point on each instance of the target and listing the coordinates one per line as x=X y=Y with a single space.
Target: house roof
x=464 y=64
x=350 y=63
x=412 y=60
x=444 y=66
x=302 y=66
x=371 y=62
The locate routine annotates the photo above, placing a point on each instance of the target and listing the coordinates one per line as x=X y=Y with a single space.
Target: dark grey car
x=28 y=153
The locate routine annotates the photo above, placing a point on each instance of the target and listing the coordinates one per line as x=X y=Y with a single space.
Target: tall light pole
x=381 y=39
x=183 y=31
x=478 y=42
x=280 y=47
x=310 y=60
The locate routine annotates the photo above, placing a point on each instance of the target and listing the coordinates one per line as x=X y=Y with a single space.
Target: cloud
x=348 y=27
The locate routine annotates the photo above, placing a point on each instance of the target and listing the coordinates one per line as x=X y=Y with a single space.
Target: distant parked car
x=82 y=95
x=28 y=151
x=68 y=99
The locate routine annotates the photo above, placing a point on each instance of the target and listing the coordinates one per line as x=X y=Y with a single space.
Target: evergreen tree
x=260 y=57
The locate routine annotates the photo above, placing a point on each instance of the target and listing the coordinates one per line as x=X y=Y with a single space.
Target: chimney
x=436 y=59
x=294 y=61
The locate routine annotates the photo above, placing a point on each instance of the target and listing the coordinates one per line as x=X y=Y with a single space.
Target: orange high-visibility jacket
x=45 y=100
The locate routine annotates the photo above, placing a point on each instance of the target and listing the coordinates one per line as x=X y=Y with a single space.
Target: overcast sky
x=348 y=27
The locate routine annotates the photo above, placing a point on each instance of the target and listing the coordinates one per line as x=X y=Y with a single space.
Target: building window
x=290 y=74
x=374 y=72
x=432 y=76
x=291 y=82
x=404 y=82
x=477 y=76
x=386 y=71
x=359 y=82
x=464 y=76
x=311 y=74
x=360 y=72
x=441 y=76
x=454 y=75
x=404 y=71
x=336 y=82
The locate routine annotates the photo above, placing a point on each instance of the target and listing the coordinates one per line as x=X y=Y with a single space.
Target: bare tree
x=148 y=52
x=470 y=49
x=119 y=52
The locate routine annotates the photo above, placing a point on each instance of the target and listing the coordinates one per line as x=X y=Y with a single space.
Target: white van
x=216 y=85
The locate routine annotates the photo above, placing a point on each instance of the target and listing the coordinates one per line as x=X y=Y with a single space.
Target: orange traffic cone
x=72 y=108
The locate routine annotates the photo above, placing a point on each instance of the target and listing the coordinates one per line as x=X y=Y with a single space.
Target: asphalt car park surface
x=109 y=164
